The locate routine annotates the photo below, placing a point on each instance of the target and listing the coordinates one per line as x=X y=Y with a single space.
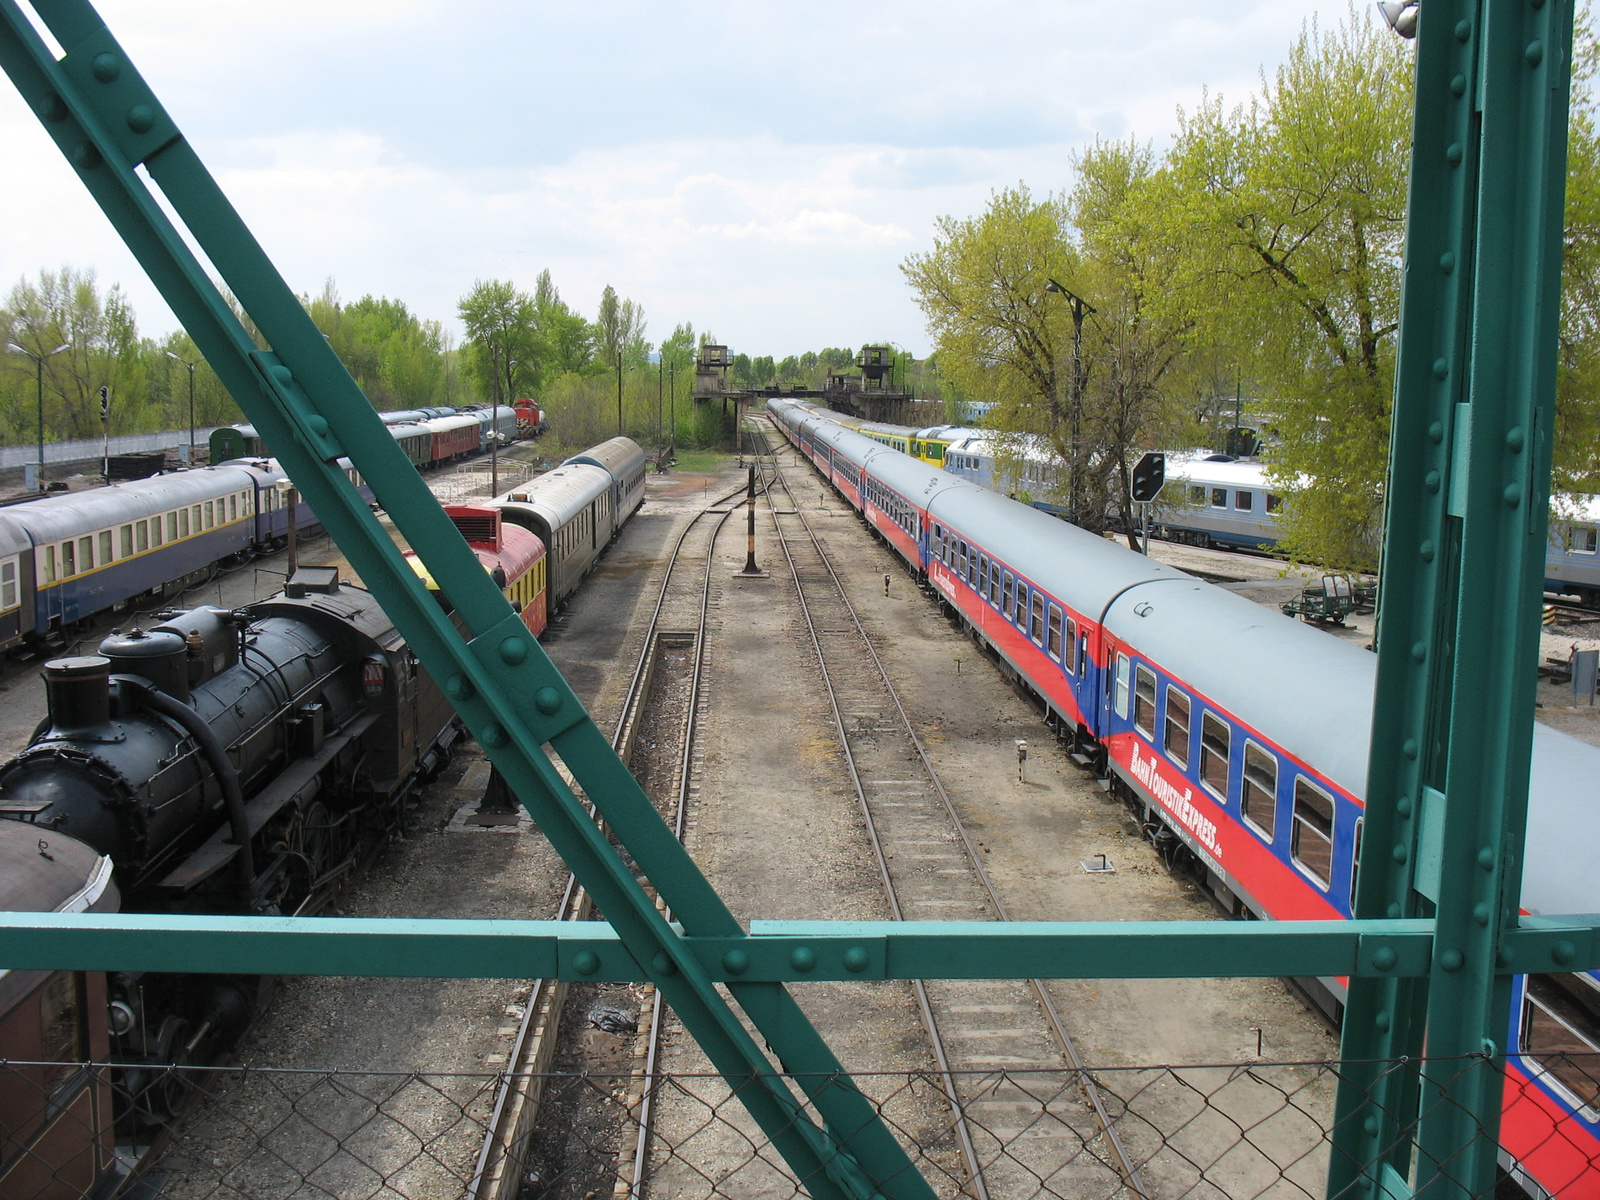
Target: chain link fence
x=1234 y=1131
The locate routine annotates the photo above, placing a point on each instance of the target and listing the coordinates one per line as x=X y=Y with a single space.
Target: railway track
x=998 y=1044
x=674 y=641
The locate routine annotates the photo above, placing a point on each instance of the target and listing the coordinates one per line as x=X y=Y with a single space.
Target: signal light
x=372 y=678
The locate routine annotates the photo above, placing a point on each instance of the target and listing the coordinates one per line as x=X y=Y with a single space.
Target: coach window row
x=1029 y=609
x=80 y=555
x=898 y=511
x=1312 y=811
x=522 y=592
x=1244 y=500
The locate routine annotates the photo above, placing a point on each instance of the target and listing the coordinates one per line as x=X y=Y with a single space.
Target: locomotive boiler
x=235 y=761
x=226 y=761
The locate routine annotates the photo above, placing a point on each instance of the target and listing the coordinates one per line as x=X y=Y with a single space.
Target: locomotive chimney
x=78 y=692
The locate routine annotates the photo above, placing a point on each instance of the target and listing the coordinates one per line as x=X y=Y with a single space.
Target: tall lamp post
x=38 y=364
x=895 y=362
x=191 y=366
x=672 y=412
x=1080 y=308
x=494 y=429
x=619 y=392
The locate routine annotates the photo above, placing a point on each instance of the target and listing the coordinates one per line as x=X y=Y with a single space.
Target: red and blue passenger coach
x=1242 y=736
x=1034 y=589
x=1250 y=731
x=895 y=492
x=1550 y=1130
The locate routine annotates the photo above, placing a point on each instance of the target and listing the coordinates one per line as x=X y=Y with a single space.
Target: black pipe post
x=294 y=557
x=750 y=567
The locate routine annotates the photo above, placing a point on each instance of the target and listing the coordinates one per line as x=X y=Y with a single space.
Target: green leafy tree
x=567 y=337
x=502 y=330
x=982 y=289
x=1138 y=335
x=1294 y=206
x=399 y=359
x=1577 y=434
x=103 y=348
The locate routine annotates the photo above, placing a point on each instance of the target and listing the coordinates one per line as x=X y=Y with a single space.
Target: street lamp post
x=38 y=364
x=191 y=366
x=661 y=372
x=672 y=412
x=1080 y=308
x=494 y=429
x=894 y=363
x=619 y=393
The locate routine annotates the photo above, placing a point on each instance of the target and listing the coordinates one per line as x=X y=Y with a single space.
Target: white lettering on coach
x=1179 y=804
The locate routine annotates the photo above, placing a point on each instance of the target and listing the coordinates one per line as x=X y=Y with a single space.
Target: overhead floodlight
x=1400 y=16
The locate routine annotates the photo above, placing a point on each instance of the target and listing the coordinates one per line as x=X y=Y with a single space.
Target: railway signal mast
x=1149 y=476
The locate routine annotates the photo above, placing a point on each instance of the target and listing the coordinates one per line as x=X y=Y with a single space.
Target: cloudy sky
x=760 y=169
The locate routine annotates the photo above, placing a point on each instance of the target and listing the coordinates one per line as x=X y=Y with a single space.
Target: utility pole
x=1080 y=308
x=619 y=393
x=672 y=414
x=494 y=430
x=191 y=366
x=105 y=433
x=38 y=364
x=661 y=369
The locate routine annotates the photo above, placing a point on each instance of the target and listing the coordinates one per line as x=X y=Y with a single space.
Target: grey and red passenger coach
x=1239 y=739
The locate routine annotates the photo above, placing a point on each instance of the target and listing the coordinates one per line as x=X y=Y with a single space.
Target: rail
x=516 y=1101
x=1056 y=1026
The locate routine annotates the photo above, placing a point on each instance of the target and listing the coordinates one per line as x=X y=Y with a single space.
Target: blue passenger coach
x=104 y=546
x=16 y=582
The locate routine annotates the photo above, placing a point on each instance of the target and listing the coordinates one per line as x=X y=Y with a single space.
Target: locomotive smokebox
x=160 y=655
x=77 y=691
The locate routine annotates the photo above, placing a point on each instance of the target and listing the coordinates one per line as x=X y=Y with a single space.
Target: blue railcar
x=16 y=582
x=102 y=547
x=271 y=484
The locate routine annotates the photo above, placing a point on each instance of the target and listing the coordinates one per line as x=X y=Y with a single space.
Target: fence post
x=1463 y=570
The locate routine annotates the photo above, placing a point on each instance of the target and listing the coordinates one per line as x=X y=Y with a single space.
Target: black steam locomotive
x=223 y=761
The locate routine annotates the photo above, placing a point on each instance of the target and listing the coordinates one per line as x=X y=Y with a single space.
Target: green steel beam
x=1463 y=570
x=103 y=116
x=775 y=951
x=1467 y=500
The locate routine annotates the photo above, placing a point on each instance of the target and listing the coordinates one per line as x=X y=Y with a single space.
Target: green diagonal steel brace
x=107 y=122
x=1463 y=572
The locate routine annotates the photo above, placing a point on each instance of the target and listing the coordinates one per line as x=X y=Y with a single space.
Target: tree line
x=72 y=336
x=1258 y=256
x=594 y=378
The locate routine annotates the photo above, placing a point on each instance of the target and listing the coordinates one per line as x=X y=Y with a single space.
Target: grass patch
x=701 y=460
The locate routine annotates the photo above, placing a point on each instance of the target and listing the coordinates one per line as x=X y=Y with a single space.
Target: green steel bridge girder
x=774 y=951
x=1459 y=610
x=1464 y=535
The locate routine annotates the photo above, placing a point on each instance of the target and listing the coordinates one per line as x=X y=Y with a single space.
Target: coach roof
x=1082 y=570
x=51 y=518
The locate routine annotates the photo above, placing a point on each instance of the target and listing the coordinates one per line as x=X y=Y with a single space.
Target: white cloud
x=757 y=168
